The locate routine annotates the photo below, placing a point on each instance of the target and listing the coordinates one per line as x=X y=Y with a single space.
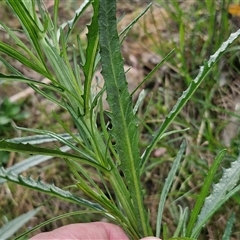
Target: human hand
x=87 y=231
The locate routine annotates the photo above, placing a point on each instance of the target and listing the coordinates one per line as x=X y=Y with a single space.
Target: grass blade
x=153 y=71
x=125 y=31
x=181 y=222
x=91 y=54
x=203 y=72
x=167 y=186
x=228 y=229
x=12 y=52
x=14 y=225
x=204 y=192
x=31 y=25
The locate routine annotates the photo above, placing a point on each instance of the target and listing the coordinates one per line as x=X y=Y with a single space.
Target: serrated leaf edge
x=50 y=189
x=220 y=190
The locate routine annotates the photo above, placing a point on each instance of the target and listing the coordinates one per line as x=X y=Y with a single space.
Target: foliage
x=12 y=226
x=9 y=112
x=109 y=146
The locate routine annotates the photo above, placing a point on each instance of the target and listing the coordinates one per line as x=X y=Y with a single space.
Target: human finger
x=84 y=231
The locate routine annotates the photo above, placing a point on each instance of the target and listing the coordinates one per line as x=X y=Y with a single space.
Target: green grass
x=205 y=119
x=119 y=147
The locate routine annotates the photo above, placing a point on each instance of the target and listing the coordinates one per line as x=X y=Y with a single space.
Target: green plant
x=12 y=226
x=198 y=29
x=9 y=112
x=110 y=147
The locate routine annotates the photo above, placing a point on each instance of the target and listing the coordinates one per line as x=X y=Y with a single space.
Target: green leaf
x=14 y=225
x=10 y=67
x=12 y=78
x=47 y=95
x=5 y=120
x=38 y=139
x=204 y=192
x=91 y=55
x=60 y=68
x=22 y=45
x=55 y=14
x=12 y=52
x=30 y=149
x=71 y=23
x=154 y=70
x=167 y=186
x=27 y=163
x=32 y=27
x=181 y=227
x=187 y=94
x=220 y=193
x=228 y=230
x=50 y=189
x=125 y=31
x=125 y=129
x=87 y=154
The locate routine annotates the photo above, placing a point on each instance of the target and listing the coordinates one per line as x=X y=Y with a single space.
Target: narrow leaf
x=167 y=186
x=71 y=23
x=33 y=161
x=50 y=189
x=11 y=69
x=125 y=130
x=87 y=154
x=12 y=52
x=153 y=71
x=181 y=222
x=91 y=54
x=14 y=225
x=204 y=191
x=38 y=139
x=30 y=149
x=21 y=44
x=228 y=230
x=131 y=24
x=32 y=26
x=186 y=95
x=217 y=206
x=220 y=192
x=12 y=78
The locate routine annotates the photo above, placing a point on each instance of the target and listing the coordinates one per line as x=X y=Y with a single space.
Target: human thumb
x=150 y=238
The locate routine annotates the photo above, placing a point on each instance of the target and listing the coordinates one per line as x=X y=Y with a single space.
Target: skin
x=87 y=231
